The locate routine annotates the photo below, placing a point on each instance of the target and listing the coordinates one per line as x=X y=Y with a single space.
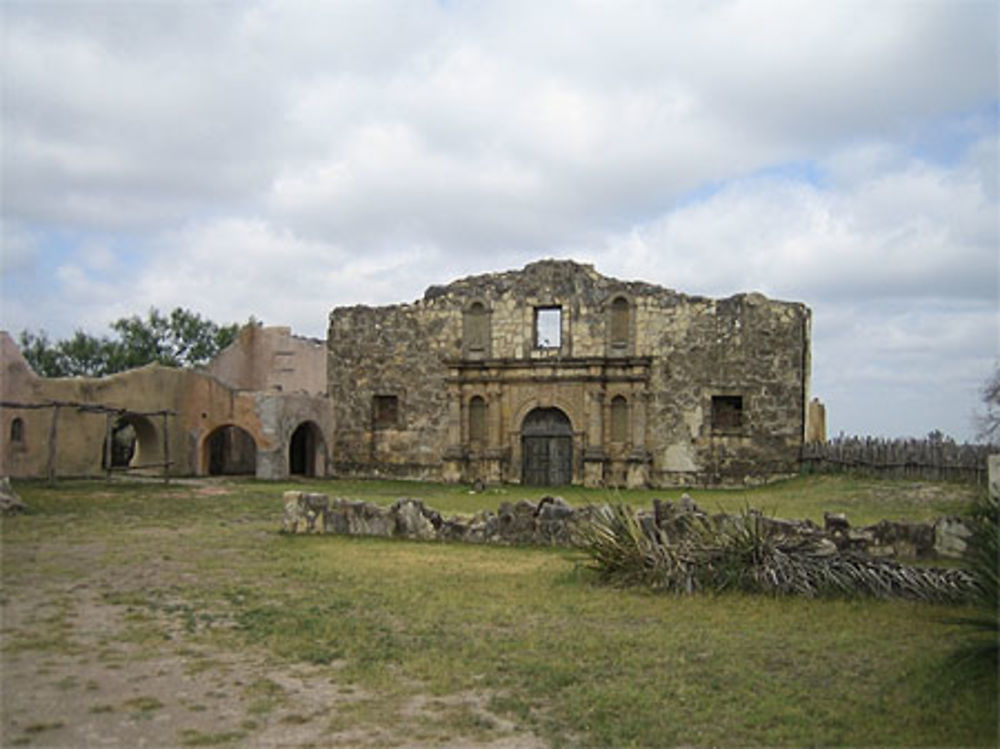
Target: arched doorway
x=307 y=451
x=230 y=451
x=135 y=443
x=546 y=448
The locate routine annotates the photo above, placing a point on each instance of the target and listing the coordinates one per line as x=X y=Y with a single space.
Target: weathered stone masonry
x=557 y=374
x=553 y=522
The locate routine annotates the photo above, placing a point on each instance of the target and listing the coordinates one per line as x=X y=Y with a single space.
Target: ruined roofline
x=565 y=268
x=10 y=348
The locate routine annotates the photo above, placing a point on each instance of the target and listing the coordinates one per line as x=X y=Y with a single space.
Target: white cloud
x=916 y=230
x=18 y=247
x=279 y=158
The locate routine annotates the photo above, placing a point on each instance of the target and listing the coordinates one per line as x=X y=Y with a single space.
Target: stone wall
x=676 y=360
x=553 y=522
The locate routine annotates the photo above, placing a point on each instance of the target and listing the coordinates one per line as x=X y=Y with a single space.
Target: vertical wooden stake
x=53 y=438
x=166 y=450
x=108 y=433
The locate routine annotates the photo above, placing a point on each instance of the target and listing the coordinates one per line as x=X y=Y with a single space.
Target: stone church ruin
x=552 y=374
x=556 y=374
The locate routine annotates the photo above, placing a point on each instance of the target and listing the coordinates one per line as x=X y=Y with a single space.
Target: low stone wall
x=553 y=522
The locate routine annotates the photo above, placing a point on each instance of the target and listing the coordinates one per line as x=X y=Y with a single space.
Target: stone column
x=494 y=435
x=493 y=462
x=637 y=468
x=453 y=460
x=595 y=419
x=639 y=403
x=593 y=454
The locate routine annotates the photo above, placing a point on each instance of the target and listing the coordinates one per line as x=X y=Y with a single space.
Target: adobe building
x=556 y=374
x=258 y=409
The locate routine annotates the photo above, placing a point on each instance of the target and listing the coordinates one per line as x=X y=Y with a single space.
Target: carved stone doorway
x=546 y=448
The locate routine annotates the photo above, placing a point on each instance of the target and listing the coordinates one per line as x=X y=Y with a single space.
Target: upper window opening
x=476 y=327
x=727 y=411
x=548 y=327
x=619 y=322
x=17 y=430
x=385 y=411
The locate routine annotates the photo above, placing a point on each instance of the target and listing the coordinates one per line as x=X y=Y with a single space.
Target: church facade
x=555 y=374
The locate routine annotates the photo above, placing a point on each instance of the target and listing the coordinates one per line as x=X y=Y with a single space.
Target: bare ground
x=80 y=668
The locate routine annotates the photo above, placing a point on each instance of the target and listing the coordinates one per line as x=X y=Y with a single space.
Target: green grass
x=864 y=500
x=527 y=629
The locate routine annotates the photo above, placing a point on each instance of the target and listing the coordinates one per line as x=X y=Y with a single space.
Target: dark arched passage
x=230 y=451
x=135 y=443
x=546 y=448
x=307 y=451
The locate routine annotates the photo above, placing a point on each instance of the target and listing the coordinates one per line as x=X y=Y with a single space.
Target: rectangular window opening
x=385 y=411
x=548 y=327
x=727 y=412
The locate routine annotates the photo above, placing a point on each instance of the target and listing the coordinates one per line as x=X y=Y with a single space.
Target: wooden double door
x=546 y=448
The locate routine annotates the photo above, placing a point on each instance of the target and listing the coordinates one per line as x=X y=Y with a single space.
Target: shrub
x=980 y=647
x=745 y=553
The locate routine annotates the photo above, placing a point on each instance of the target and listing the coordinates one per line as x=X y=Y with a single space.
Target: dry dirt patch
x=85 y=662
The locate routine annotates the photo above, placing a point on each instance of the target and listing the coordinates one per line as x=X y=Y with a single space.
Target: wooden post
x=166 y=450
x=53 y=438
x=108 y=450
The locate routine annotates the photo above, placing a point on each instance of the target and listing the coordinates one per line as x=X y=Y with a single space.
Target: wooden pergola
x=112 y=414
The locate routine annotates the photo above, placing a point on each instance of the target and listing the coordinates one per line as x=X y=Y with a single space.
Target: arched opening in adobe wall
x=229 y=451
x=135 y=443
x=307 y=451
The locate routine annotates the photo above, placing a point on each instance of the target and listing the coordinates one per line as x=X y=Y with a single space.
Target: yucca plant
x=746 y=553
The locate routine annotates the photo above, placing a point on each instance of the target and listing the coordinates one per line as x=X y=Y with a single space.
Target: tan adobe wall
x=679 y=353
x=199 y=406
x=272 y=359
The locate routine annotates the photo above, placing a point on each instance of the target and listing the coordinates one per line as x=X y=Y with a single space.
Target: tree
x=180 y=339
x=39 y=352
x=989 y=422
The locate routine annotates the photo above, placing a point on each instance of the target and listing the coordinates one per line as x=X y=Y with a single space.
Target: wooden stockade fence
x=926 y=459
x=112 y=413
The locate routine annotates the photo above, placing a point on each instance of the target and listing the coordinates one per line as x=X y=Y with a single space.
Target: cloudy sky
x=277 y=159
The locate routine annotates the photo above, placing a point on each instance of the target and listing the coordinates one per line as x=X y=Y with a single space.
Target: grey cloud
x=314 y=154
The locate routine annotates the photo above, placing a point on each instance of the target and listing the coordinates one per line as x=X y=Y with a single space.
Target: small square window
x=727 y=412
x=548 y=327
x=385 y=411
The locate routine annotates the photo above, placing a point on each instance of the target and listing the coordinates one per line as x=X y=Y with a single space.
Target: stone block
x=950 y=537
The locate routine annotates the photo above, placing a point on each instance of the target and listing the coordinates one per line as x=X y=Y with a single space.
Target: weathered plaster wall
x=272 y=359
x=680 y=351
x=199 y=404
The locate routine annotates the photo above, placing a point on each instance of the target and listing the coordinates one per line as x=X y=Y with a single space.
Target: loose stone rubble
x=553 y=522
x=10 y=502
